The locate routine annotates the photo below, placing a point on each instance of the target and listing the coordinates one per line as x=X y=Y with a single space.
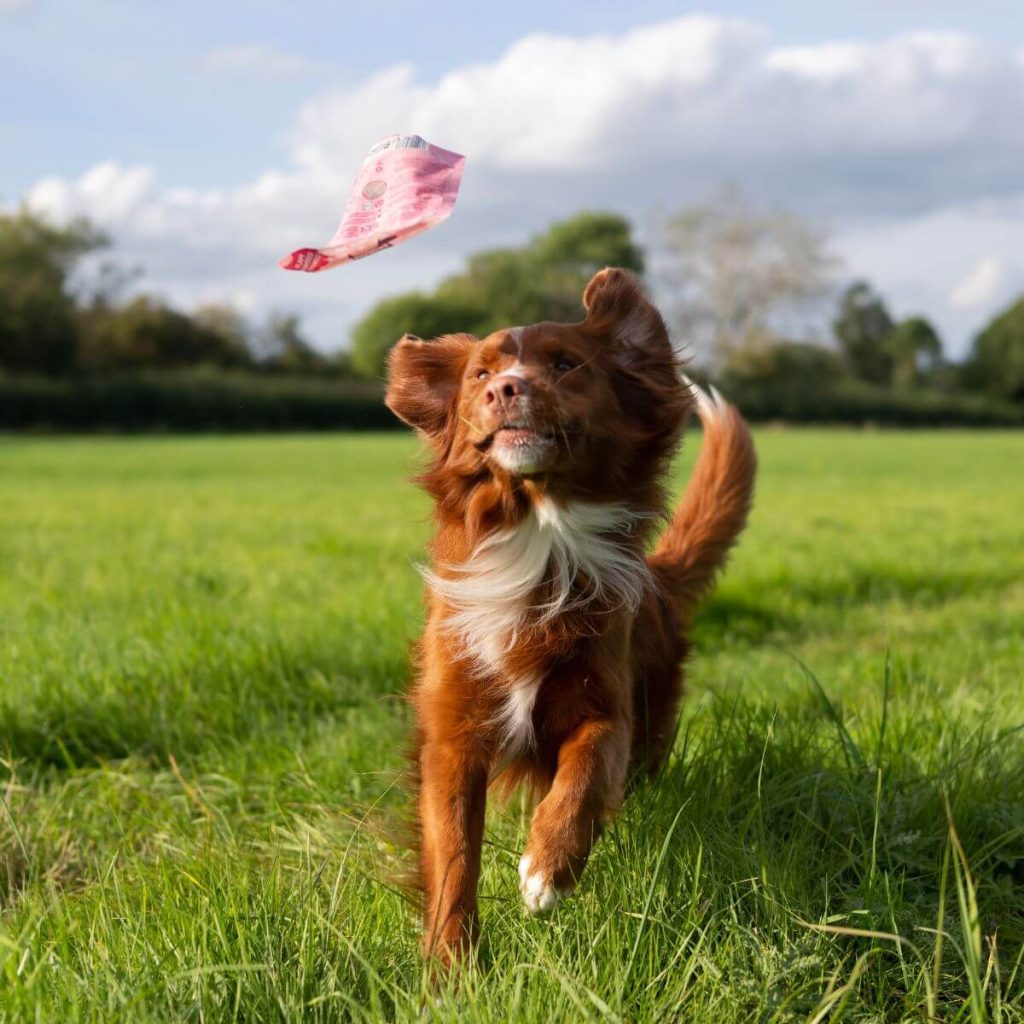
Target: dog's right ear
x=424 y=379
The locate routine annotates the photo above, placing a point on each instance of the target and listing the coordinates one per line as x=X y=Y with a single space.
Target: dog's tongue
x=405 y=186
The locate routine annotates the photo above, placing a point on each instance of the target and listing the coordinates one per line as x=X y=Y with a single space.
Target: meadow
x=203 y=646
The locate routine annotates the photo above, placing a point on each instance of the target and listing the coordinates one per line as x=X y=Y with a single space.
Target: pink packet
x=405 y=186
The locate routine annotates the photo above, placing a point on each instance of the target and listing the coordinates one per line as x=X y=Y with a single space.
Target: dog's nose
x=506 y=389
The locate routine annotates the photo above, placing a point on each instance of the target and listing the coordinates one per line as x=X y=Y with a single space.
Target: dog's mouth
x=516 y=434
x=520 y=449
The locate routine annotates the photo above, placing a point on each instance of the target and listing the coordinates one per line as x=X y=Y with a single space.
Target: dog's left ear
x=649 y=383
x=424 y=379
x=618 y=309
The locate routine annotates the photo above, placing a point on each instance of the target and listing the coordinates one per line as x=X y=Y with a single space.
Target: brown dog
x=553 y=647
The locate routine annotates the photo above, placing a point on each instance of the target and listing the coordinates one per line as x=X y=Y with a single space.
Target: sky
x=210 y=140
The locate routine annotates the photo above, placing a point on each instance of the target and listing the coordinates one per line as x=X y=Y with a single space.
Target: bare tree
x=737 y=277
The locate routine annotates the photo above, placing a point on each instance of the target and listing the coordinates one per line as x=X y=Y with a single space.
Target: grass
x=201 y=646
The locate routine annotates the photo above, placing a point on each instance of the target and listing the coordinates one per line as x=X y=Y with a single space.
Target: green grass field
x=202 y=647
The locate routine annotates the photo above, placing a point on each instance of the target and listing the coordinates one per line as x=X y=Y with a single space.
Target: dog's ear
x=424 y=379
x=618 y=309
x=649 y=384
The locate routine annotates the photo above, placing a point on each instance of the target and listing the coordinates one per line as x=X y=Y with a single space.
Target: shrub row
x=211 y=400
x=191 y=401
x=851 y=402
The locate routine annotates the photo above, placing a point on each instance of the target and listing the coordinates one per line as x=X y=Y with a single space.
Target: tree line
x=752 y=294
x=63 y=309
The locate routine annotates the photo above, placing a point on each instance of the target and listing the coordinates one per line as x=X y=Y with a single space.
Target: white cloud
x=901 y=144
x=703 y=97
x=108 y=193
x=256 y=59
x=827 y=62
x=981 y=285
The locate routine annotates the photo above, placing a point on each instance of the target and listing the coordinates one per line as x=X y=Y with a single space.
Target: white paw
x=539 y=893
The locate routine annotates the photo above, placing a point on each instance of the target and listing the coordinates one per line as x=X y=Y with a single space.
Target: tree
x=915 y=350
x=415 y=313
x=996 y=360
x=145 y=333
x=283 y=349
x=738 y=276
x=505 y=287
x=37 y=307
x=587 y=242
x=229 y=325
x=542 y=280
x=862 y=326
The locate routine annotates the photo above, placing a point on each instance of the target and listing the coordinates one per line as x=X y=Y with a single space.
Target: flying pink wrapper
x=405 y=186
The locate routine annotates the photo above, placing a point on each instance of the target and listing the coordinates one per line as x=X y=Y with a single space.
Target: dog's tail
x=713 y=511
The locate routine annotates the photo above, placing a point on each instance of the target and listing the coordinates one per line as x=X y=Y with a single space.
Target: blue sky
x=211 y=138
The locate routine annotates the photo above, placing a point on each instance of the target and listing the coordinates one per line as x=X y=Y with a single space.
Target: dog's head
x=570 y=405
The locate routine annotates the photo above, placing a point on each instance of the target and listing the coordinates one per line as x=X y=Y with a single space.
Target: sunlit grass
x=202 y=647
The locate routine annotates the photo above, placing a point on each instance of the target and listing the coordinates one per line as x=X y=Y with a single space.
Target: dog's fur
x=553 y=646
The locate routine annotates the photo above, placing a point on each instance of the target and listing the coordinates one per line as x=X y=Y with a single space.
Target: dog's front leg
x=452 y=800
x=587 y=789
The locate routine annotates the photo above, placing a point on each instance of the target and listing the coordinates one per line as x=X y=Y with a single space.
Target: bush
x=190 y=401
x=784 y=367
x=235 y=401
x=855 y=402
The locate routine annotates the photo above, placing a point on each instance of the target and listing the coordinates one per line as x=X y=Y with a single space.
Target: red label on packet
x=405 y=186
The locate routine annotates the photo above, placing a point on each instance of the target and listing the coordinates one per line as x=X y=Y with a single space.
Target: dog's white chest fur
x=492 y=595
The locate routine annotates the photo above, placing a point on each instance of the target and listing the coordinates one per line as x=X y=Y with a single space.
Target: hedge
x=234 y=401
x=191 y=401
x=851 y=402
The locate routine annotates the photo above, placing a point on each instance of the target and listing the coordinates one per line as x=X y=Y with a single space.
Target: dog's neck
x=558 y=558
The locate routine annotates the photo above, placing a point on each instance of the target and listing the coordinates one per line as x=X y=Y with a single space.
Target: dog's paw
x=538 y=888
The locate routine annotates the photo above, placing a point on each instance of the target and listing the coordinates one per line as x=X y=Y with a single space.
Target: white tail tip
x=710 y=404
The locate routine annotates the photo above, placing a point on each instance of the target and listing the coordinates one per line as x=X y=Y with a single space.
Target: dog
x=553 y=647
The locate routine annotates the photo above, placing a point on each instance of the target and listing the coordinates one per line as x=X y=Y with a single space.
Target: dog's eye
x=482 y=374
x=563 y=365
